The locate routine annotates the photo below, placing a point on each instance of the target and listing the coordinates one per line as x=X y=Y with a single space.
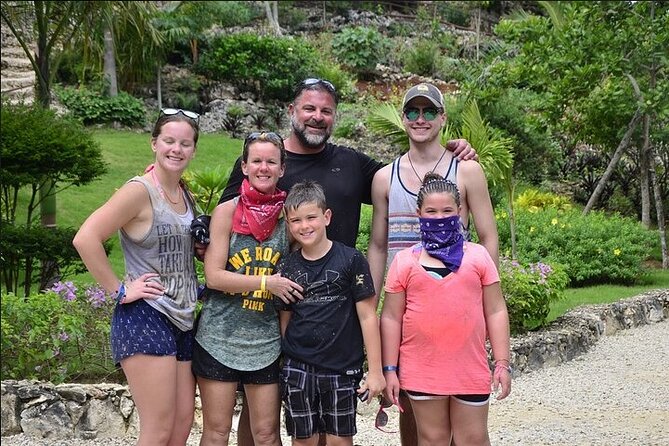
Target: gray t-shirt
x=166 y=249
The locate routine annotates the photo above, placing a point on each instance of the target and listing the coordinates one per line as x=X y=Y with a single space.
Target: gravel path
x=615 y=395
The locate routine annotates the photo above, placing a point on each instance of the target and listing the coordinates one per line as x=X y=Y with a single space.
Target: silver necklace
x=434 y=169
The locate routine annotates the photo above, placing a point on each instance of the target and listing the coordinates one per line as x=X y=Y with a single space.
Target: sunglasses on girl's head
x=382 y=416
x=175 y=111
x=429 y=113
x=314 y=81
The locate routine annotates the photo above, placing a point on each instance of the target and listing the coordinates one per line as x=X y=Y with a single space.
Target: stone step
x=12 y=51
x=16 y=62
x=11 y=73
x=10 y=84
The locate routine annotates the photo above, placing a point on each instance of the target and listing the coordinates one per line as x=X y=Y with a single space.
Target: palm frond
x=386 y=120
x=493 y=149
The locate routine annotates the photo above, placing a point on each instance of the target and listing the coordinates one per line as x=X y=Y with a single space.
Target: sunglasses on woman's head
x=429 y=113
x=382 y=416
x=175 y=111
x=272 y=137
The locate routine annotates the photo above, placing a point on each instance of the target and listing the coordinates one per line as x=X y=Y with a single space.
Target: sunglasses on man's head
x=382 y=416
x=315 y=81
x=429 y=113
x=175 y=111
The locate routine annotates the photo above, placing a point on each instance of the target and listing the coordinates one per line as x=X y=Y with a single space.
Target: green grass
x=603 y=294
x=127 y=154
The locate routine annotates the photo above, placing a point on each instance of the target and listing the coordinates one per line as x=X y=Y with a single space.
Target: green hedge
x=93 y=107
x=268 y=67
x=594 y=248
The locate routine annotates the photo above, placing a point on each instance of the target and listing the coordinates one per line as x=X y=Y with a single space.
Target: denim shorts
x=318 y=401
x=138 y=328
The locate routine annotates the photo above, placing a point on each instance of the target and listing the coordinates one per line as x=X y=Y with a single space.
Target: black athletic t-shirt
x=324 y=329
x=345 y=174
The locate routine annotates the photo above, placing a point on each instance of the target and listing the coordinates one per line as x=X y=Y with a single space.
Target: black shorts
x=474 y=399
x=206 y=366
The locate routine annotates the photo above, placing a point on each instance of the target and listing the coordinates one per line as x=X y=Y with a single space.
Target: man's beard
x=308 y=140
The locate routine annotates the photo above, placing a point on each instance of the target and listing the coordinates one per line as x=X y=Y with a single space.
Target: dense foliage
x=359 y=48
x=594 y=248
x=268 y=67
x=529 y=291
x=92 y=106
x=30 y=254
x=57 y=336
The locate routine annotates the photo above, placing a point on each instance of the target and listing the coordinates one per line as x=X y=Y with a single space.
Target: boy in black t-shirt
x=325 y=332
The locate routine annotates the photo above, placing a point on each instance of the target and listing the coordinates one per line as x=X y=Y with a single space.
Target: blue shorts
x=318 y=401
x=138 y=328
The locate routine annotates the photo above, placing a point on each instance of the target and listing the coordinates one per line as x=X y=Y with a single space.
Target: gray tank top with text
x=167 y=249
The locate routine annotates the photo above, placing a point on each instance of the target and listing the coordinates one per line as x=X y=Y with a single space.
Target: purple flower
x=66 y=290
x=96 y=296
x=63 y=336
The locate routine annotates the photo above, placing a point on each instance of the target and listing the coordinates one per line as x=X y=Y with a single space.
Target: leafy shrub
x=342 y=80
x=594 y=248
x=423 y=58
x=207 y=185
x=36 y=146
x=93 y=107
x=533 y=199
x=346 y=128
x=364 y=229
x=27 y=251
x=529 y=291
x=360 y=49
x=268 y=67
x=233 y=120
x=57 y=336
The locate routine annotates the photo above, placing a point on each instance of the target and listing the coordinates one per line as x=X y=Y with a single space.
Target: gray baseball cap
x=425 y=90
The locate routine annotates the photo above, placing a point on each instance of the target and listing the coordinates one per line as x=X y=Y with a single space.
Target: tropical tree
x=41 y=27
x=600 y=67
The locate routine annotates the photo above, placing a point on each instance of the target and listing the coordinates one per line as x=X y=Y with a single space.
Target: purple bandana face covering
x=442 y=238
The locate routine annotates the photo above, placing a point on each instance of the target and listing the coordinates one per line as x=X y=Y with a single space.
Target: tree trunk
x=272 y=12
x=159 y=88
x=619 y=151
x=645 y=166
x=110 y=63
x=614 y=161
x=661 y=222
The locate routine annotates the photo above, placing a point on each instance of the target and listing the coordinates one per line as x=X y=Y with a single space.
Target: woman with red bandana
x=238 y=339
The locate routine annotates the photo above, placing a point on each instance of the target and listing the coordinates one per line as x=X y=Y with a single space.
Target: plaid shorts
x=138 y=328
x=317 y=401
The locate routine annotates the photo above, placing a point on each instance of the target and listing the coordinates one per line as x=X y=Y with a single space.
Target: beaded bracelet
x=390 y=368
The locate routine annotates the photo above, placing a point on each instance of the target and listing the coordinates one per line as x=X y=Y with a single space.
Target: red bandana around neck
x=256 y=213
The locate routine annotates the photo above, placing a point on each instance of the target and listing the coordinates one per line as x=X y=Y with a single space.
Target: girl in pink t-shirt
x=442 y=301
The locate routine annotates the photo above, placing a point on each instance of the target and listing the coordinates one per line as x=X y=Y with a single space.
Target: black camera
x=199 y=229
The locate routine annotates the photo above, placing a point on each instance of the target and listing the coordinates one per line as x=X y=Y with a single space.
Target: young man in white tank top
x=394 y=191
